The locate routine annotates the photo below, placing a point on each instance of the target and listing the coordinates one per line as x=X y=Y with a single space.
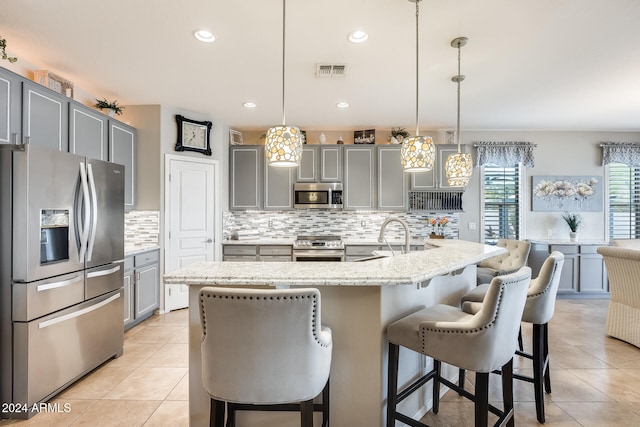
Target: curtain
x=627 y=153
x=504 y=154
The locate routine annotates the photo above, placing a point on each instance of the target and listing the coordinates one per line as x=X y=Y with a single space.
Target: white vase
x=323 y=138
x=573 y=236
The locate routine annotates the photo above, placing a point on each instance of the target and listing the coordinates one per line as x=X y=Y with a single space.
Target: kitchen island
x=359 y=299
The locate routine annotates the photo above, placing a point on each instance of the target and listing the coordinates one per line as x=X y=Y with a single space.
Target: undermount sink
x=382 y=254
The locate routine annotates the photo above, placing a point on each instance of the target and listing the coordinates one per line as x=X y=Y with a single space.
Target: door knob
x=208 y=240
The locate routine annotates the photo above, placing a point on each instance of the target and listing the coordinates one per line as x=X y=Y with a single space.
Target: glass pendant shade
x=418 y=154
x=283 y=146
x=458 y=169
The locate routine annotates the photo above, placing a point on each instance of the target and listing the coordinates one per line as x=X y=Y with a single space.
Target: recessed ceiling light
x=204 y=36
x=358 y=36
x=342 y=104
x=249 y=104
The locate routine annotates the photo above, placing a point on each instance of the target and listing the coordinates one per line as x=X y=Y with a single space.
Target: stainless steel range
x=318 y=248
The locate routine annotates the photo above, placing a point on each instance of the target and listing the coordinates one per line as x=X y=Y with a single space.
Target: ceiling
x=529 y=65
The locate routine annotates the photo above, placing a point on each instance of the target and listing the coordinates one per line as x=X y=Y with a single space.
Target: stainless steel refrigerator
x=61 y=272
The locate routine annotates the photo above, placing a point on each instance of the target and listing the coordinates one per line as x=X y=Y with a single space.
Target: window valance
x=627 y=153
x=504 y=154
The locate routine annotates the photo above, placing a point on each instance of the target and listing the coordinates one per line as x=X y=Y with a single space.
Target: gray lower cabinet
x=583 y=271
x=44 y=116
x=273 y=253
x=240 y=253
x=88 y=132
x=10 y=102
x=141 y=286
x=278 y=187
x=122 y=150
x=392 y=181
x=247 y=253
x=359 y=178
x=245 y=180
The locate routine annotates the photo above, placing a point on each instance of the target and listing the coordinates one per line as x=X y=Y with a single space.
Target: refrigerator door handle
x=94 y=213
x=103 y=272
x=61 y=284
x=78 y=313
x=82 y=226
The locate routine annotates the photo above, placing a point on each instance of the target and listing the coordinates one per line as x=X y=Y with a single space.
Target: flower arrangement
x=398 y=135
x=3 y=52
x=573 y=220
x=438 y=225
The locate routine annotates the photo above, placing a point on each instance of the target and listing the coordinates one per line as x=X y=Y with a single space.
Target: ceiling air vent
x=330 y=70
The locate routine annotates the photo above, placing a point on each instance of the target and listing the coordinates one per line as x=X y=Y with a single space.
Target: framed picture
x=193 y=135
x=364 y=136
x=557 y=193
x=235 y=137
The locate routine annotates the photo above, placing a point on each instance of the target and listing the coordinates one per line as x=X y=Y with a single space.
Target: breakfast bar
x=358 y=301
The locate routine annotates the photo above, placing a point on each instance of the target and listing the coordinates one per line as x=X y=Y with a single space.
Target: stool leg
x=216 y=415
x=306 y=413
x=392 y=384
x=507 y=391
x=437 y=365
x=520 y=345
x=482 y=399
x=545 y=358
x=231 y=415
x=461 y=376
x=538 y=367
x=325 y=405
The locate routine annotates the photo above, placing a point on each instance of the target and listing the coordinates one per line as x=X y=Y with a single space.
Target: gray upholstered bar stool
x=513 y=260
x=264 y=350
x=480 y=342
x=538 y=310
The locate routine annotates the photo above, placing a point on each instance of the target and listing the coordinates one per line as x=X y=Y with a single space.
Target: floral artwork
x=562 y=193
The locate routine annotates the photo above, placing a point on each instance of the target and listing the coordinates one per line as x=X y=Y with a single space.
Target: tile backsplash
x=348 y=224
x=141 y=227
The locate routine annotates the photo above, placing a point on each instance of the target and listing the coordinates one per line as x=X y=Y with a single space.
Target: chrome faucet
x=406 y=232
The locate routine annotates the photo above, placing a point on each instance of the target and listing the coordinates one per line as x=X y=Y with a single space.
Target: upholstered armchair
x=509 y=262
x=623 y=316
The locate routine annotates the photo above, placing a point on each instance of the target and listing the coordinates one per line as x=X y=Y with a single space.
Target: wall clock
x=193 y=135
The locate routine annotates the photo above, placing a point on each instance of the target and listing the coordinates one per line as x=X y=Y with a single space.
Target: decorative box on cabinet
x=359 y=178
x=392 y=181
x=88 y=132
x=44 y=116
x=10 y=107
x=122 y=143
x=245 y=180
x=436 y=179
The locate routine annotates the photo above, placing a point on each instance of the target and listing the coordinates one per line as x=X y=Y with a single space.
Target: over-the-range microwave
x=317 y=195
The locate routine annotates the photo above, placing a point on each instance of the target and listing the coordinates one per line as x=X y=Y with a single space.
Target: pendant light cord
x=284 y=8
x=458 y=81
x=417 y=69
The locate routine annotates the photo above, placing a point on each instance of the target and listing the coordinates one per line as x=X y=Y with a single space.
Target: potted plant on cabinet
x=398 y=135
x=3 y=52
x=573 y=220
x=112 y=107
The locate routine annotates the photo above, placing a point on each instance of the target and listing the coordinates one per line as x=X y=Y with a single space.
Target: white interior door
x=190 y=220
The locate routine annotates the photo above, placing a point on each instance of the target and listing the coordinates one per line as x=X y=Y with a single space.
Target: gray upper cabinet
x=87 y=132
x=392 y=180
x=10 y=101
x=245 y=169
x=44 y=116
x=436 y=179
x=359 y=178
x=122 y=148
x=320 y=164
x=278 y=187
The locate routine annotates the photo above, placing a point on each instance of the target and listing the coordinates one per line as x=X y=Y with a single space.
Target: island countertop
x=439 y=258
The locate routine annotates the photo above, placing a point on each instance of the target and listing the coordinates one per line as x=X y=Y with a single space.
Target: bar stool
x=480 y=342
x=509 y=262
x=264 y=350
x=538 y=310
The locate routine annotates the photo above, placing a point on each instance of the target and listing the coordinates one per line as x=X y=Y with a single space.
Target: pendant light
x=283 y=145
x=418 y=153
x=458 y=166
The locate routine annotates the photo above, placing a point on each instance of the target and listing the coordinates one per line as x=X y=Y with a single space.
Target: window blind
x=624 y=201
x=501 y=192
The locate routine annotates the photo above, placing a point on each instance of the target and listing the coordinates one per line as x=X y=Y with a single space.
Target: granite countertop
x=443 y=257
x=131 y=249
x=569 y=242
x=347 y=241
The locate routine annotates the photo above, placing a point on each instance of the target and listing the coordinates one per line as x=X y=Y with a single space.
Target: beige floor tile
x=136 y=353
x=98 y=383
x=599 y=414
x=181 y=337
x=147 y=383
x=59 y=413
x=180 y=391
x=170 y=414
x=620 y=385
x=117 y=413
x=171 y=355
x=156 y=334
